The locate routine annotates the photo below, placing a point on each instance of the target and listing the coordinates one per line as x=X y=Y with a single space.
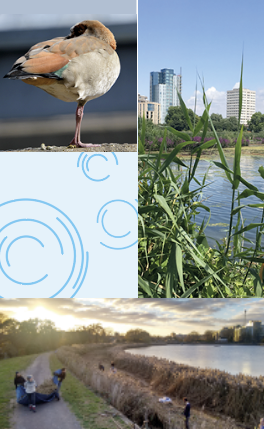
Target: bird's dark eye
x=47 y=46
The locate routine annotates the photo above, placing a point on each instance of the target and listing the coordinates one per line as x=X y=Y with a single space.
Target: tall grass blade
x=160 y=154
x=143 y=130
x=185 y=111
x=240 y=94
x=145 y=286
x=179 y=265
x=171 y=271
x=180 y=134
x=201 y=123
x=237 y=157
x=141 y=149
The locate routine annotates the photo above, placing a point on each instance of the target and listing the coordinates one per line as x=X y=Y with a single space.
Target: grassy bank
x=139 y=383
x=229 y=152
x=8 y=367
x=91 y=410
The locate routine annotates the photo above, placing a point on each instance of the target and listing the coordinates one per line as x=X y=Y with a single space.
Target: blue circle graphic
x=112 y=235
x=70 y=230
x=84 y=159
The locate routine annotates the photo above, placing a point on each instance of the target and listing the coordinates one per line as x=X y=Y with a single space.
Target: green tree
x=224 y=124
x=137 y=336
x=217 y=120
x=192 y=337
x=232 y=123
x=175 y=118
x=256 y=122
x=209 y=336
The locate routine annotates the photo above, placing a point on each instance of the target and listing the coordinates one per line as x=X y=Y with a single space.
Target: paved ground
x=53 y=415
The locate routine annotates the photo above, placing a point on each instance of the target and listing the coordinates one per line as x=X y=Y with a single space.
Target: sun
x=61 y=322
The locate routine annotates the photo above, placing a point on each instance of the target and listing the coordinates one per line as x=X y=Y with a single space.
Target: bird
x=79 y=67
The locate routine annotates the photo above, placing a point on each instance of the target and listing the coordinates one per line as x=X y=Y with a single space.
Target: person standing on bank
x=30 y=387
x=186 y=412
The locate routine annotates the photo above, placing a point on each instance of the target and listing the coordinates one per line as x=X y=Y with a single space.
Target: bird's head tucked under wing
x=95 y=29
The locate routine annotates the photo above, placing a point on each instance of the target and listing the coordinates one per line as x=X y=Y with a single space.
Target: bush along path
x=92 y=411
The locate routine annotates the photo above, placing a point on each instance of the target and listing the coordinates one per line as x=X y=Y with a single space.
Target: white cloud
x=218 y=99
x=237 y=85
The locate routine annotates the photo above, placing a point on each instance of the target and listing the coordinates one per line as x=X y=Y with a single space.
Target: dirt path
x=53 y=415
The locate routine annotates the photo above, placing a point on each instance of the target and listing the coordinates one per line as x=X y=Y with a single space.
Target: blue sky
x=26 y=21
x=204 y=36
x=157 y=316
x=99 y=6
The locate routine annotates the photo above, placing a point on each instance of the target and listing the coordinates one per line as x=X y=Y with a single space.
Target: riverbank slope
x=218 y=399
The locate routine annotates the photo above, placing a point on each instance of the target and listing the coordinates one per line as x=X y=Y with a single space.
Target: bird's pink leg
x=77 y=136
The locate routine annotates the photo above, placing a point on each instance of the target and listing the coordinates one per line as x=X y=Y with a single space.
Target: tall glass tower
x=163 y=89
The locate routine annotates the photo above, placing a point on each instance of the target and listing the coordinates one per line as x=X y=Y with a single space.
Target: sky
x=157 y=316
x=98 y=6
x=27 y=21
x=203 y=37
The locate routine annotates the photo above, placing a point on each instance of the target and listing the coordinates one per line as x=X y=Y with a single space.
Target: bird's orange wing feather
x=51 y=55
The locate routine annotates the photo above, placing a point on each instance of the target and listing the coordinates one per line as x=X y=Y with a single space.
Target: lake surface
x=218 y=195
x=233 y=359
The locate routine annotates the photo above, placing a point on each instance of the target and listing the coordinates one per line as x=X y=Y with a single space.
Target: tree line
x=175 y=118
x=37 y=336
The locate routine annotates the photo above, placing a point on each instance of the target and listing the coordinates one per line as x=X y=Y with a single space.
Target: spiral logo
x=40 y=249
x=115 y=216
x=85 y=162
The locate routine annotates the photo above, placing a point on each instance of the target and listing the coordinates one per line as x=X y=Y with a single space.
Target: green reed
x=174 y=257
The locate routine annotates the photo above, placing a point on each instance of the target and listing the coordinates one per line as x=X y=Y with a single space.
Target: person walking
x=30 y=387
x=186 y=412
x=113 y=368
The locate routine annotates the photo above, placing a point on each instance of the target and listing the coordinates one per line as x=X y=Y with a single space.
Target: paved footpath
x=52 y=415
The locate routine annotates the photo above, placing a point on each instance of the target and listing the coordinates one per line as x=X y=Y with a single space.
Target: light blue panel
x=68 y=225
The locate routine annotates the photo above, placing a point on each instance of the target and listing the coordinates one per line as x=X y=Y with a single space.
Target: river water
x=234 y=359
x=218 y=195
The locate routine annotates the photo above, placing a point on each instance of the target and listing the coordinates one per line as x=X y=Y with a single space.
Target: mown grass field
x=91 y=410
x=8 y=367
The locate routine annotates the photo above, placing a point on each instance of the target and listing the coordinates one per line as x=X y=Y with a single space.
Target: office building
x=151 y=110
x=163 y=89
x=253 y=330
x=248 y=104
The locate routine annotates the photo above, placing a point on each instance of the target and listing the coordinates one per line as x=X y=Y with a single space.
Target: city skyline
x=158 y=318
x=203 y=38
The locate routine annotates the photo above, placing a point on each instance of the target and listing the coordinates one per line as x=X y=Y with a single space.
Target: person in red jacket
x=186 y=412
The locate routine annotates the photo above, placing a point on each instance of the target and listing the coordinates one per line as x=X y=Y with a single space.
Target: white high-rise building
x=163 y=90
x=248 y=104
